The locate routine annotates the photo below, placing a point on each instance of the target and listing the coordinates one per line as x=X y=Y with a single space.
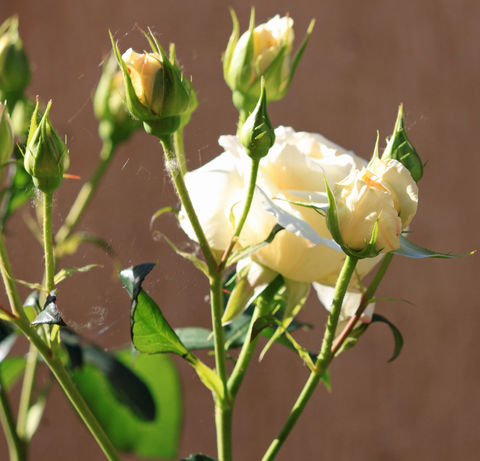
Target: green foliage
x=410 y=250
x=150 y=331
x=129 y=433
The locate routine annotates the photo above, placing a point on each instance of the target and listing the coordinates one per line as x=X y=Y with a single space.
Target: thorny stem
x=183 y=195
x=322 y=362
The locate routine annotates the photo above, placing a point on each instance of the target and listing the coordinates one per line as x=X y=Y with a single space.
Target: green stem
x=223 y=408
x=55 y=365
x=70 y=390
x=180 y=150
x=244 y=358
x=182 y=192
x=86 y=193
x=15 y=446
x=48 y=241
x=323 y=359
x=27 y=391
x=246 y=208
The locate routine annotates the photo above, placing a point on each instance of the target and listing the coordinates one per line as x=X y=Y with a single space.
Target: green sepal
x=241 y=68
x=232 y=42
x=299 y=54
x=136 y=108
x=400 y=148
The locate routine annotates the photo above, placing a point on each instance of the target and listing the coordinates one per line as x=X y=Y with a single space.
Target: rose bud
x=46 y=156
x=14 y=67
x=265 y=51
x=6 y=136
x=383 y=195
x=156 y=91
x=400 y=148
x=257 y=134
x=116 y=123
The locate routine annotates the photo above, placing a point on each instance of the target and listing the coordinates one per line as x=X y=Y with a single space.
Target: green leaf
x=158 y=438
x=397 y=336
x=150 y=331
x=11 y=369
x=410 y=250
x=194 y=338
x=66 y=272
x=128 y=388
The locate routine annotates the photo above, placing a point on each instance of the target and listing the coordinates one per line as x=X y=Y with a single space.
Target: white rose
x=293 y=170
x=383 y=193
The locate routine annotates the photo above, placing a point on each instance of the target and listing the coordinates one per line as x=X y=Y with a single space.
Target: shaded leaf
x=158 y=438
x=7 y=338
x=128 y=388
x=49 y=314
x=397 y=336
x=198 y=457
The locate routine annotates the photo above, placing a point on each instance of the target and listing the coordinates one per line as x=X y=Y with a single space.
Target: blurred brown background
x=364 y=58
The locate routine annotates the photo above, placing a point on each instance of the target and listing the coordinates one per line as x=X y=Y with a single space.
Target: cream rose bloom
x=383 y=193
x=293 y=170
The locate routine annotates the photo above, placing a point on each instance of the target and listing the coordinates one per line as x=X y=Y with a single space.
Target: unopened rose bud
x=46 y=156
x=265 y=51
x=14 y=67
x=156 y=91
x=6 y=136
x=383 y=195
x=257 y=134
x=115 y=122
x=400 y=148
